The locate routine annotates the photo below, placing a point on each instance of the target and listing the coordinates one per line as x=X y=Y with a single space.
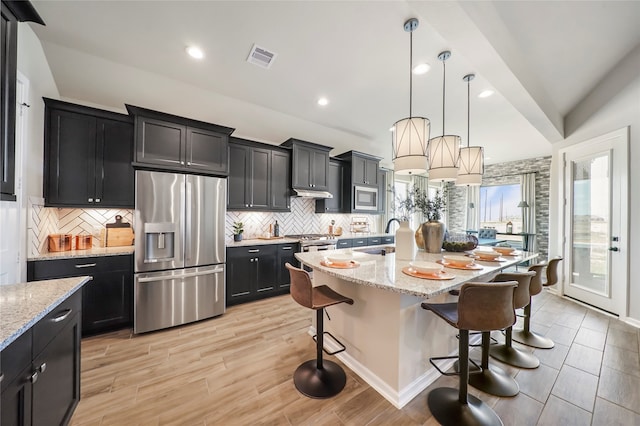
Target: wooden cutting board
x=119 y=237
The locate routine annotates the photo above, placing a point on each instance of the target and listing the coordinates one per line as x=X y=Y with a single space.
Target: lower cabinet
x=41 y=384
x=365 y=241
x=257 y=272
x=107 y=299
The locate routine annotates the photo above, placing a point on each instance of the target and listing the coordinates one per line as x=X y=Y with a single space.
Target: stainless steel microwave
x=365 y=198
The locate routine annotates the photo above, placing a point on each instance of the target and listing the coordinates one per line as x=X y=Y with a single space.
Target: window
x=499 y=205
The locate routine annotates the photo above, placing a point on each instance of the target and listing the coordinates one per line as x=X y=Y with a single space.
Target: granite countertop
x=261 y=241
x=93 y=252
x=23 y=305
x=385 y=272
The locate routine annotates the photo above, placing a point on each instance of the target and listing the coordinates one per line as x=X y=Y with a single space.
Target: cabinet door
x=15 y=400
x=160 y=142
x=370 y=172
x=207 y=151
x=286 y=254
x=259 y=178
x=8 y=64
x=70 y=149
x=320 y=170
x=280 y=194
x=56 y=391
x=107 y=301
x=358 y=170
x=382 y=191
x=301 y=168
x=266 y=278
x=114 y=173
x=238 y=184
x=240 y=275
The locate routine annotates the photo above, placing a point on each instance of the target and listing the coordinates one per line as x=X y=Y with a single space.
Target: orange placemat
x=346 y=265
x=472 y=267
x=441 y=276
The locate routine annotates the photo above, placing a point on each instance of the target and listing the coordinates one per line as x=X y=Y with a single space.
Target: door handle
x=62 y=317
x=614 y=249
x=189 y=223
x=86 y=265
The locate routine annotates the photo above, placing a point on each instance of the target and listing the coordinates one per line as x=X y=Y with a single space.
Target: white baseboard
x=631 y=321
x=398 y=398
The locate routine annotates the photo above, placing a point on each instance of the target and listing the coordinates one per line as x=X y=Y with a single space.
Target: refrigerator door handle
x=175 y=277
x=188 y=234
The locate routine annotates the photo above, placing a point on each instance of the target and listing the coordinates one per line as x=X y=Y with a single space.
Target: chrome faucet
x=386 y=230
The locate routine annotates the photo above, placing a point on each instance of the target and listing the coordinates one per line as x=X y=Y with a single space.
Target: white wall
x=613 y=104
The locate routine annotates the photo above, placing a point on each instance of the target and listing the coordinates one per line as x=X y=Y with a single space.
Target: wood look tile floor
x=237 y=370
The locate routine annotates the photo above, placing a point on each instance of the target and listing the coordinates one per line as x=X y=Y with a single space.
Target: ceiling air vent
x=261 y=56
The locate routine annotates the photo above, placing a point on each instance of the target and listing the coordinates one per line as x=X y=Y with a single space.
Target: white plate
x=457 y=260
x=425 y=267
x=340 y=258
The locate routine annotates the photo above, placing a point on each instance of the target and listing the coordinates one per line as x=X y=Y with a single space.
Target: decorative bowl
x=422 y=267
x=458 y=243
x=504 y=250
x=486 y=254
x=457 y=260
x=342 y=258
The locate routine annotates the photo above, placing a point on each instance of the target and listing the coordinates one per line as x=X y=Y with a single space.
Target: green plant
x=238 y=228
x=431 y=208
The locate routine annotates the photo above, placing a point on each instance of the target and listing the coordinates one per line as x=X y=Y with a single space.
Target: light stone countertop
x=23 y=305
x=385 y=272
x=93 y=252
x=260 y=241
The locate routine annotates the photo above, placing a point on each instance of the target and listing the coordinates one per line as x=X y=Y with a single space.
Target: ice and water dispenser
x=159 y=241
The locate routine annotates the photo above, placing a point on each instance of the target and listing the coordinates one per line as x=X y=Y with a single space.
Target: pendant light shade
x=471 y=165
x=410 y=138
x=444 y=150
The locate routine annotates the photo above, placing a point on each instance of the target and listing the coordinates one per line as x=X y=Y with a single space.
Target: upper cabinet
x=337 y=175
x=258 y=177
x=12 y=12
x=309 y=166
x=364 y=167
x=169 y=142
x=87 y=157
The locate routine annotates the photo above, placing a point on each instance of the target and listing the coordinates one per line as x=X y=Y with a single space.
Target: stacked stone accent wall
x=505 y=174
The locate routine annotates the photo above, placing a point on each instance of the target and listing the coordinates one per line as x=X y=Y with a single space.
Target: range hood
x=308 y=193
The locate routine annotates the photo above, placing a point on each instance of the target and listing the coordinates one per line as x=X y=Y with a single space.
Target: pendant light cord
x=410 y=73
x=468 y=109
x=444 y=76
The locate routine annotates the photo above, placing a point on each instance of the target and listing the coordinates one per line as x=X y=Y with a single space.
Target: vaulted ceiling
x=541 y=59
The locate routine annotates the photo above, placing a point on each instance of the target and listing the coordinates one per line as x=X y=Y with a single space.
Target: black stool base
x=319 y=383
x=532 y=339
x=492 y=380
x=512 y=356
x=447 y=409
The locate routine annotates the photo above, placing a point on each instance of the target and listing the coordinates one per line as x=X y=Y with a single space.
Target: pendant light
x=443 y=150
x=471 y=165
x=410 y=136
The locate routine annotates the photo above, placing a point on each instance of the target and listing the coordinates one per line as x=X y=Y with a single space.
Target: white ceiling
x=541 y=58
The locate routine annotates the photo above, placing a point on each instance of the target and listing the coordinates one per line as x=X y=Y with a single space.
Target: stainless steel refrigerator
x=179 y=249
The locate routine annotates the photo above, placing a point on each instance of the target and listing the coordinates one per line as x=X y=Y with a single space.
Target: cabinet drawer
x=346 y=243
x=48 y=269
x=374 y=241
x=251 y=250
x=15 y=358
x=49 y=326
x=357 y=242
x=388 y=240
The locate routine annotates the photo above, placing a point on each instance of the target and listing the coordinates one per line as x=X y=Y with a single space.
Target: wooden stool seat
x=483 y=307
x=317 y=378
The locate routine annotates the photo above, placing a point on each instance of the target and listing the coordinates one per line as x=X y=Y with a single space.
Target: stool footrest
x=440 y=358
x=342 y=347
x=494 y=341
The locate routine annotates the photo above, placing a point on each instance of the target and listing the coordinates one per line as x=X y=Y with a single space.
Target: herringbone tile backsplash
x=302 y=219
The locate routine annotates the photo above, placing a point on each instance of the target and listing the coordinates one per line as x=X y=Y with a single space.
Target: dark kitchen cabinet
x=258 y=177
x=337 y=172
x=382 y=191
x=88 y=155
x=11 y=13
x=257 y=272
x=169 y=142
x=107 y=299
x=286 y=254
x=344 y=243
x=309 y=165
x=364 y=167
x=360 y=242
x=251 y=273
x=42 y=369
x=280 y=181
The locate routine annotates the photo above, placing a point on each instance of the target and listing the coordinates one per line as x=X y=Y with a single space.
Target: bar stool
x=317 y=378
x=482 y=307
x=506 y=352
x=525 y=335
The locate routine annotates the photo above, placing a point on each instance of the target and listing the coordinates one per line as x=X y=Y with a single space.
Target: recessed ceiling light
x=323 y=101
x=195 y=52
x=421 y=68
x=485 y=94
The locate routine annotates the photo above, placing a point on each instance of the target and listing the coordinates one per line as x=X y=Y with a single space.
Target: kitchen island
x=388 y=336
